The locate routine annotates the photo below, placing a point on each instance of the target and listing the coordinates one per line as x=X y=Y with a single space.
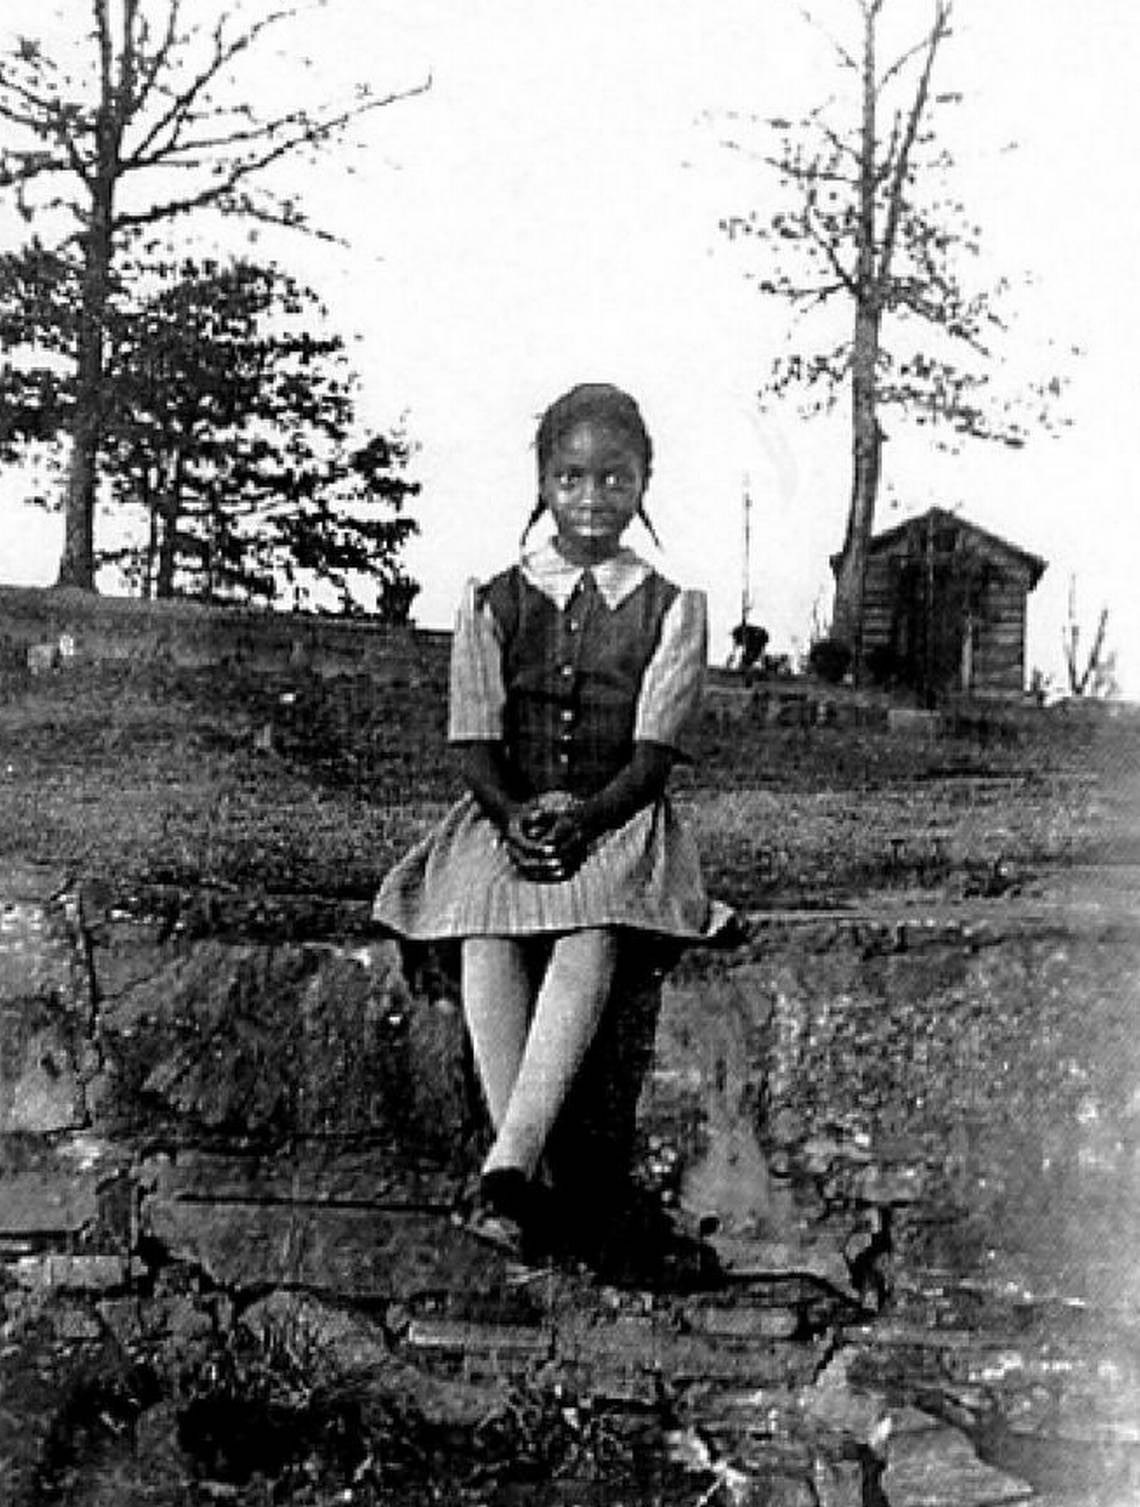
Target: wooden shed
x=944 y=609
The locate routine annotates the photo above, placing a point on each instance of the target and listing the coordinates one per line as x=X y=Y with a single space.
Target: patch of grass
x=227 y=778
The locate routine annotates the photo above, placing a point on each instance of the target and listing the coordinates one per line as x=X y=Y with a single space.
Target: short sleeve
x=674 y=678
x=475 y=692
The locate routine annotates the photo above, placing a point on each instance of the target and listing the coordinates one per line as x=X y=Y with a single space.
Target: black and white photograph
x=569 y=753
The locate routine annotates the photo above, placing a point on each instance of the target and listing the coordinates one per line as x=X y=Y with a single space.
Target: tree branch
x=225 y=51
x=827 y=245
x=33 y=165
x=150 y=72
x=845 y=57
x=312 y=134
x=900 y=63
x=842 y=148
x=105 y=47
x=937 y=33
x=125 y=101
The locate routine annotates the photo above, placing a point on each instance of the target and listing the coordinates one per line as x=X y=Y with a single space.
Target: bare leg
x=569 y=1007
x=496 y=1003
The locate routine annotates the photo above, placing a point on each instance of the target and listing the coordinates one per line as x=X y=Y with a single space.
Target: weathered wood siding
x=999 y=645
x=879 y=599
x=934 y=582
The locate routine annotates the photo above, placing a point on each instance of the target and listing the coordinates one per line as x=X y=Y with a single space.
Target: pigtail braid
x=652 y=532
x=535 y=514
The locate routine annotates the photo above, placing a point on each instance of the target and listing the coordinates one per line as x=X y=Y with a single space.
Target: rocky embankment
x=235 y=1130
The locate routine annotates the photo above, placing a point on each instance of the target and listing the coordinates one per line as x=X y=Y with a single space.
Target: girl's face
x=592 y=485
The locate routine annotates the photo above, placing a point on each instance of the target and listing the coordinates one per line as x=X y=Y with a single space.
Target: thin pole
x=746 y=583
x=928 y=655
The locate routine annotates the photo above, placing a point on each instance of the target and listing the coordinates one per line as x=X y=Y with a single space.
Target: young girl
x=573 y=674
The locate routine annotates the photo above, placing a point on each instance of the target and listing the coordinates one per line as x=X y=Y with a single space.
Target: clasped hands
x=547 y=837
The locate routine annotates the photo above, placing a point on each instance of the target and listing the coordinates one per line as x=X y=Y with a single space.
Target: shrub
x=829 y=659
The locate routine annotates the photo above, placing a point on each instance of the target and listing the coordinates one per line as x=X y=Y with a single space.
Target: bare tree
x=865 y=223
x=154 y=124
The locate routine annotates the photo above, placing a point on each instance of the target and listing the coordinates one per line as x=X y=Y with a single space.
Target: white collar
x=556 y=578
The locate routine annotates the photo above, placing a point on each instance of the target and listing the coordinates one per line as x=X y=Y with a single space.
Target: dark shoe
x=499 y=1214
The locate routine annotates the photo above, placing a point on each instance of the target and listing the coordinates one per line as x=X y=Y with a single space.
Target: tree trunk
x=77 y=564
x=167 y=550
x=847 y=617
x=851 y=574
x=170 y=507
x=150 y=502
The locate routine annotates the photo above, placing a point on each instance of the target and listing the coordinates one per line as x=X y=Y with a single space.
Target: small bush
x=829 y=659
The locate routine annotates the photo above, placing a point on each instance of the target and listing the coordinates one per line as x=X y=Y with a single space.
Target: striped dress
x=567 y=667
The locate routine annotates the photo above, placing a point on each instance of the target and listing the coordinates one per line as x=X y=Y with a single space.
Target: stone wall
x=154 y=1018
x=128 y=1017
x=201 y=1105
x=41 y=628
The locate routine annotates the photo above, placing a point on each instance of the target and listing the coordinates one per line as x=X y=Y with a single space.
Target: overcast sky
x=547 y=213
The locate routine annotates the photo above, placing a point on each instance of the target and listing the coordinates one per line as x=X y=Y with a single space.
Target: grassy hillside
x=226 y=779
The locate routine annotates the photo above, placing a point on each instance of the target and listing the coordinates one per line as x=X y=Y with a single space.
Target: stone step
x=58 y=1196
x=362 y=1252
x=320 y=1173
x=930 y=1464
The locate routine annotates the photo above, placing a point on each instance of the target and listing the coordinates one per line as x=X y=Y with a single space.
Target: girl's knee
x=591 y=952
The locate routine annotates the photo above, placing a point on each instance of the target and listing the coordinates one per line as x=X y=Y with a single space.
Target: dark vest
x=572 y=677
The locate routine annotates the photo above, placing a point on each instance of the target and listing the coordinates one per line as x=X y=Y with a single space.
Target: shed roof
x=1035 y=565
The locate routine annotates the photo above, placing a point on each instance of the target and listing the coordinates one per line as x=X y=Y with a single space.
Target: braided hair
x=600 y=403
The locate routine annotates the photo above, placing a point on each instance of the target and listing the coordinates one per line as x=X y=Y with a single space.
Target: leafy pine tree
x=229 y=429
x=141 y=115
